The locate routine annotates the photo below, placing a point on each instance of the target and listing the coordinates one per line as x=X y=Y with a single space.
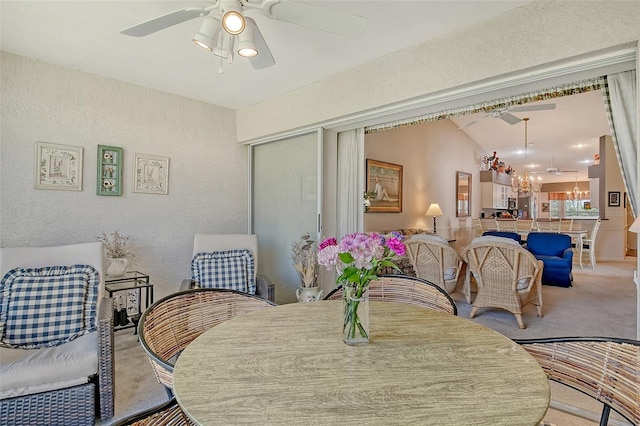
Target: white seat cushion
x=29 y=371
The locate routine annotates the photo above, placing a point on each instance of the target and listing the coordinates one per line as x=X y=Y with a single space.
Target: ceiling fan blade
x=540 y=107
x=320 y=18
x=568 y=171
x=264 y=58
x=510 y=118
x=164 y=21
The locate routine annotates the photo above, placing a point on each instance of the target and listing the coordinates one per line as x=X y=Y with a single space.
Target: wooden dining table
x=288 y=365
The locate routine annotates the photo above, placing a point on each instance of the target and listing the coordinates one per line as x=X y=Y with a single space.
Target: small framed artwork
x=586 y=205
x=614 y=199
x=151 y=174
x=110 y=162
x=545 y=207
x=58 y=167
x=384 y=186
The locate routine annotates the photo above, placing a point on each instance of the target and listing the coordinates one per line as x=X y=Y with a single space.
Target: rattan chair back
x=505 y=224
x=507 y=276
x=524 y=225
x=566 y=225
x=477 y=227
x=439 y=263
x=606 y=369
x=170 y=324
x=404 y=289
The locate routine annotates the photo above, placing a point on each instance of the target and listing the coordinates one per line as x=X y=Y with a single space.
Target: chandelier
x=576 y=194
x=524 y=184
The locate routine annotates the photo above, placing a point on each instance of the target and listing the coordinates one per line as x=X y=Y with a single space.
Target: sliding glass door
x=285 y=185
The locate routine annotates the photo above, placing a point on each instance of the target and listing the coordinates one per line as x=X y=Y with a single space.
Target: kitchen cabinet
x=495 y=195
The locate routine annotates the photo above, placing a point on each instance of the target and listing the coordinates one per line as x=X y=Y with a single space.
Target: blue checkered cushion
x=47 y=306
x=230 y=269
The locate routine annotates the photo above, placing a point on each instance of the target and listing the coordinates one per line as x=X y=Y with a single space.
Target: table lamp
x=434 y=210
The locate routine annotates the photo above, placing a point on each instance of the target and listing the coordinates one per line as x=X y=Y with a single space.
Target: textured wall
x=536 y=33
x=207 y=173
x=430 y=154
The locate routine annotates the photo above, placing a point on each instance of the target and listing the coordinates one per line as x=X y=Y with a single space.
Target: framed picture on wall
x=614 y=199
x=545 y=207
x=384 y=187
x=58 y=167
x=109 y=180
x=151 y=174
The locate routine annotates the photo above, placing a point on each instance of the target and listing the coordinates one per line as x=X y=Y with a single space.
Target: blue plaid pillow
x=47 y=306
x=230 y=269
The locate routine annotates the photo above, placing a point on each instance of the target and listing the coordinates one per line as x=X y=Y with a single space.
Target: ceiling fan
x=225 y=26
x=554 y=170
x=505 y=113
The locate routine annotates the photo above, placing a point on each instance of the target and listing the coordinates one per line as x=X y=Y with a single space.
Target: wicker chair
x=477 y=227
x=606 y=369
x=507 y=275
x=506 y=224
x=434 y=260
x=410 y=290
x=171 y=323
x=167 y=414
x=65 y=395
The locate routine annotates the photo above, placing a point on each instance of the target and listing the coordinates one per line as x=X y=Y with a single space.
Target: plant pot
x=117 y=266
x=309 y=294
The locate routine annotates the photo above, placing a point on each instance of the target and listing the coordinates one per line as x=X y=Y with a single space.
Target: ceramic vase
x=355 y=329
x=309 y=294
x=117 y=266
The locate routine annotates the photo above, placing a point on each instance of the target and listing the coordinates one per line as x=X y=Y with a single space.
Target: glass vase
x=355 y=329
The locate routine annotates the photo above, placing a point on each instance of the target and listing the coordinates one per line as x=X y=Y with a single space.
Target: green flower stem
x=351 y=318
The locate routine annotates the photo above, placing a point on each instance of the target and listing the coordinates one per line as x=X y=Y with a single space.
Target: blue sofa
x=504 y=234
x=555 y=252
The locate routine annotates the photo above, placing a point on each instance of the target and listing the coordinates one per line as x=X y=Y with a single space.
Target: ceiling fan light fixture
x=232 y=17
x=205 y=37
x=246 y=43
x=224 y=46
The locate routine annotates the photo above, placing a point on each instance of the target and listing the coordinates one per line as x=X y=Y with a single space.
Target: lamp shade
x=434 y=210
x=635 y=226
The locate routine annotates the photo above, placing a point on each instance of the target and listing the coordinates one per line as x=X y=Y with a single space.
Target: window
x=572 y=209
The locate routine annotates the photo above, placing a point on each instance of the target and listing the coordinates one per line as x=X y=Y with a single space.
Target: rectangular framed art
x=384 y=187
x=614 y=199
x=151 y=174
x=58 y=167
x=110 y=162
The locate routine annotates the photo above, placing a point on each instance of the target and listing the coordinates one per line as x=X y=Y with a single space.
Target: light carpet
x=602 y=302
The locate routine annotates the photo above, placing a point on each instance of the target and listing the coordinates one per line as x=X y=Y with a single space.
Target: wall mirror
x=463 y=194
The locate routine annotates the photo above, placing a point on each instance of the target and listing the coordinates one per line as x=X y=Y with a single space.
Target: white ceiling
x=85 y=35
x=570 y=134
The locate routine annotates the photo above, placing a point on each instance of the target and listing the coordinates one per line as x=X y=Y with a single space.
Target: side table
x=132 y=283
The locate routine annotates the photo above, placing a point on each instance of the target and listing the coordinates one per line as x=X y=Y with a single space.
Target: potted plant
x=119 y=257
x=305 y=260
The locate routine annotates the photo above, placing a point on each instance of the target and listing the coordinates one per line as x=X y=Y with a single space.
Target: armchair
x=507 y=275
x=214 y=255
x=65 y=372
x=557 y=255
x=434 y=260
x=504 y=234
